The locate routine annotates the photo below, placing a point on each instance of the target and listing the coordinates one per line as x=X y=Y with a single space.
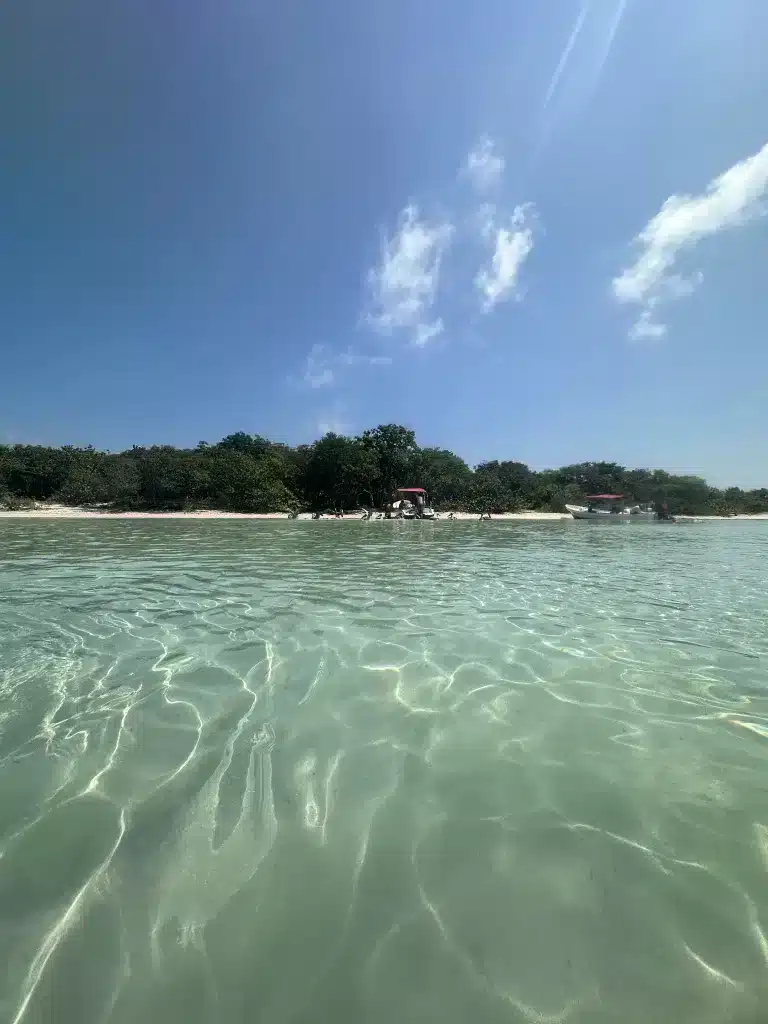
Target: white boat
x=598 y=514
x=610 y=508
x=414 y=503
x=411 y=513
x=642 y=514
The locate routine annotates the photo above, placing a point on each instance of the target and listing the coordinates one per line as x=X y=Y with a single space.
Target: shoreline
x=74 y=512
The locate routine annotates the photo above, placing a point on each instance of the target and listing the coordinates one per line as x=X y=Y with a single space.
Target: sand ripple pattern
x=412 y=772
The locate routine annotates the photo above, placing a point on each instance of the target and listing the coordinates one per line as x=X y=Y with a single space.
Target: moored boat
x=414 y=503
x=607 y=508
x=642 y=513
x=612 y=508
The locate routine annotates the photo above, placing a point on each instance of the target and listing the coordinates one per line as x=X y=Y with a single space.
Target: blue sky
x=529 y=231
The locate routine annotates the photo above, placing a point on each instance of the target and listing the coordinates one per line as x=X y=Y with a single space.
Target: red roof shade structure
x=411 y=490
x=604 y=497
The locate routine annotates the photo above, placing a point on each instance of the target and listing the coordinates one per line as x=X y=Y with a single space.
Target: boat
x=643 y=513
x=414 y=503
x=611 y=508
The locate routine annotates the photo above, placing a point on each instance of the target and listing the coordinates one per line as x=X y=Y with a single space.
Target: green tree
x=169 y=478
x=446 y=477
x=247 y=472
x=510 y=483
x=239 y=484
x=36 y=472
x=245 y=444
x=341 y=472
x=396 y=455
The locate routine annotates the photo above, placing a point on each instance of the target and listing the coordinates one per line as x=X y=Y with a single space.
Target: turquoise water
x=383 y=772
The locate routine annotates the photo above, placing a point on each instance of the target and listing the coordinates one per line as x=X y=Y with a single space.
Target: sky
x=530 y=231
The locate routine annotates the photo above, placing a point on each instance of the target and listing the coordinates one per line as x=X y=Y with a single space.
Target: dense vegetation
x=246 y=473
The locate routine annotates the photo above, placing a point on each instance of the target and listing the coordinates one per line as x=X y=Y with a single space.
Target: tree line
x=248 y=473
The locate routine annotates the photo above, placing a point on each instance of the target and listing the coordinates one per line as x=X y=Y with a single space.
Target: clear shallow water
x=383 y=772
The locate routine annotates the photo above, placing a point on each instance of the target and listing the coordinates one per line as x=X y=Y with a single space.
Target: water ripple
x=493 y=772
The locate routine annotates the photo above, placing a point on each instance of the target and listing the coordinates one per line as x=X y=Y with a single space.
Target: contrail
x=622 y=6
x=588 y=80
x=566 y=54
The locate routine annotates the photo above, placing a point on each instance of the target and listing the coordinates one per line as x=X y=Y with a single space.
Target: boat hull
x=582 y=512
x=624 y=516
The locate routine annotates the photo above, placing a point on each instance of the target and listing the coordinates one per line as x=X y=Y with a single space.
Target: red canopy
x=411 y=490
x=604 y=497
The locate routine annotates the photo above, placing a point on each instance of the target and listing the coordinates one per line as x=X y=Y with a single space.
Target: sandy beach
x=54 y=511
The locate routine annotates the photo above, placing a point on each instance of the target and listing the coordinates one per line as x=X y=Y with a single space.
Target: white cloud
x=322 y=366
x=484 y=167
x=317 y=372
x=426 y=332
x=351 y=358
x=485 y=219
x=645 y=328
x=512 y=246
x=730 y=200
x=404 y=284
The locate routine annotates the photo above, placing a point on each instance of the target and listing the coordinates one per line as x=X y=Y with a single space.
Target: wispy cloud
x=483 y=166
x=331 y=426
x=512 y=245
x=317 y=372
x=403 y=285
x=425 y=333
x=322 y=366
x=730 y=200
x=332 y=422
x=645 y=328
x=352 y=358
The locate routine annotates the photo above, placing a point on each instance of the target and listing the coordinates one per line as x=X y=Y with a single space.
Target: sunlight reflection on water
x=383 y=771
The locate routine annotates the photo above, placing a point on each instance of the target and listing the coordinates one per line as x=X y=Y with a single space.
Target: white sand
x=53 y=511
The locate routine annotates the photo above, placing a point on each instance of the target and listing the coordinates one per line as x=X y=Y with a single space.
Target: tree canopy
x=249 y=473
